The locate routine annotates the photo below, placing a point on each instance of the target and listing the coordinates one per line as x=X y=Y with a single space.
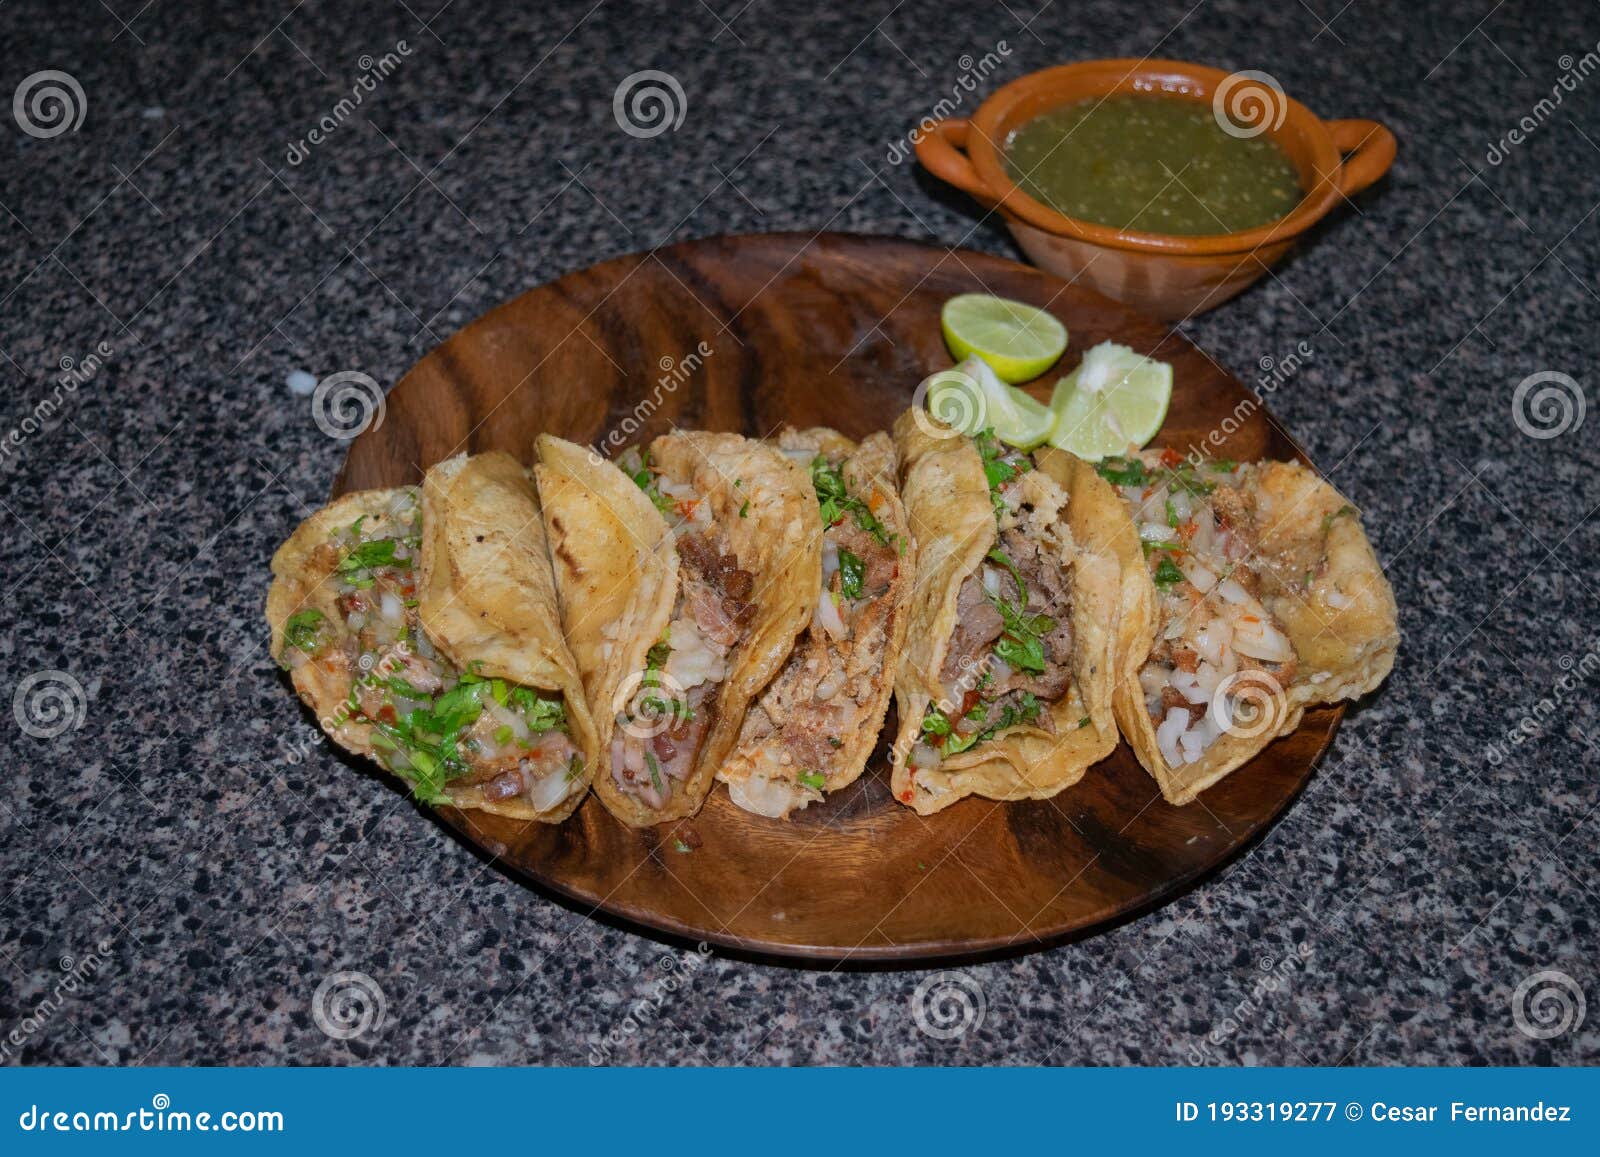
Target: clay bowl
x=1166 y=275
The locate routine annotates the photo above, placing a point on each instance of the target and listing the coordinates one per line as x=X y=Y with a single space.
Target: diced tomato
x=905 y=797
x=386 y=714
x=1186 y=531
x=1170 y=458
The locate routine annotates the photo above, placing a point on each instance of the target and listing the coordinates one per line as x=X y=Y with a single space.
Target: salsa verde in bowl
x=1104 y=114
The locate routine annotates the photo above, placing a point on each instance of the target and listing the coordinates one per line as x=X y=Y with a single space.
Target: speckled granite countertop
x=180 y=870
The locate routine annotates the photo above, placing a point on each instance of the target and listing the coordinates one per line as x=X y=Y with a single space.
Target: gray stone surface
x=205 y=866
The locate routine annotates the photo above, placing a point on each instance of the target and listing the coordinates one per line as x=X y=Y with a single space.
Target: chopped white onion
x=1174 y=725
x=550 y=789
x=828 y=619
x=1259 y=639
x=829 y=686
x=1188 y=686
x=1230 y=590
x=766 y=797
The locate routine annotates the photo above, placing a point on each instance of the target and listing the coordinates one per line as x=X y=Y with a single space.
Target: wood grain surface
x=830 y=330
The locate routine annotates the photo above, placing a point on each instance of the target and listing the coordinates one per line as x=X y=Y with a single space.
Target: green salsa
x=1153 y=164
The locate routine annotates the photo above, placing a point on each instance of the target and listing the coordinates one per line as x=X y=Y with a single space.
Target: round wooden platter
x=832 y=330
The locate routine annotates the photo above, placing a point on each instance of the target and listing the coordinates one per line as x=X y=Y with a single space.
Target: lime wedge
x=1114 y=399
x=971 y=397
x=1017 y=340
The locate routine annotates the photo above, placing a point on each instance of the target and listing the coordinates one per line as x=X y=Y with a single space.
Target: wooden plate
x=828 y=330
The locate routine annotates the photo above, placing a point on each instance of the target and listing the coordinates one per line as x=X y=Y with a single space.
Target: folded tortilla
x=422 y=628
x=814 y=726
x=683 y=585
x=1269 y=599
x=961 y=731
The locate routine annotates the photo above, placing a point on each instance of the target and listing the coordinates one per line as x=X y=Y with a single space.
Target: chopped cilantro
x=852 y=571
x=637 y=467
x=1183 y=477
x=997 y=471
x=812 y=779
x=835 y=500
x=1342 y=512
x=306 y=631
x=655 y=770
x=360 y=562
x=680 y=847
x=1025 y=710
x=1167 y=575
x=1020 y=646
x=1122 y=471
x=656 y=657
x=744 y=511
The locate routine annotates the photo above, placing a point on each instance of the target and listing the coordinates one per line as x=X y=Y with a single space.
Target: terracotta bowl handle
x=1370 y=150
x=940 y=152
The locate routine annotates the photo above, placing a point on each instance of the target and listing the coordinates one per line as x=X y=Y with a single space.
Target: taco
x=421 y=626
x=1269 y=599
x=1025 y=607
x=816 y=723
x=684 y=578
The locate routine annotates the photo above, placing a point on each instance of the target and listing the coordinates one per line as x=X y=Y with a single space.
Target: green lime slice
x=971 y=397
x=1018 y=341
x=1114 y=399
